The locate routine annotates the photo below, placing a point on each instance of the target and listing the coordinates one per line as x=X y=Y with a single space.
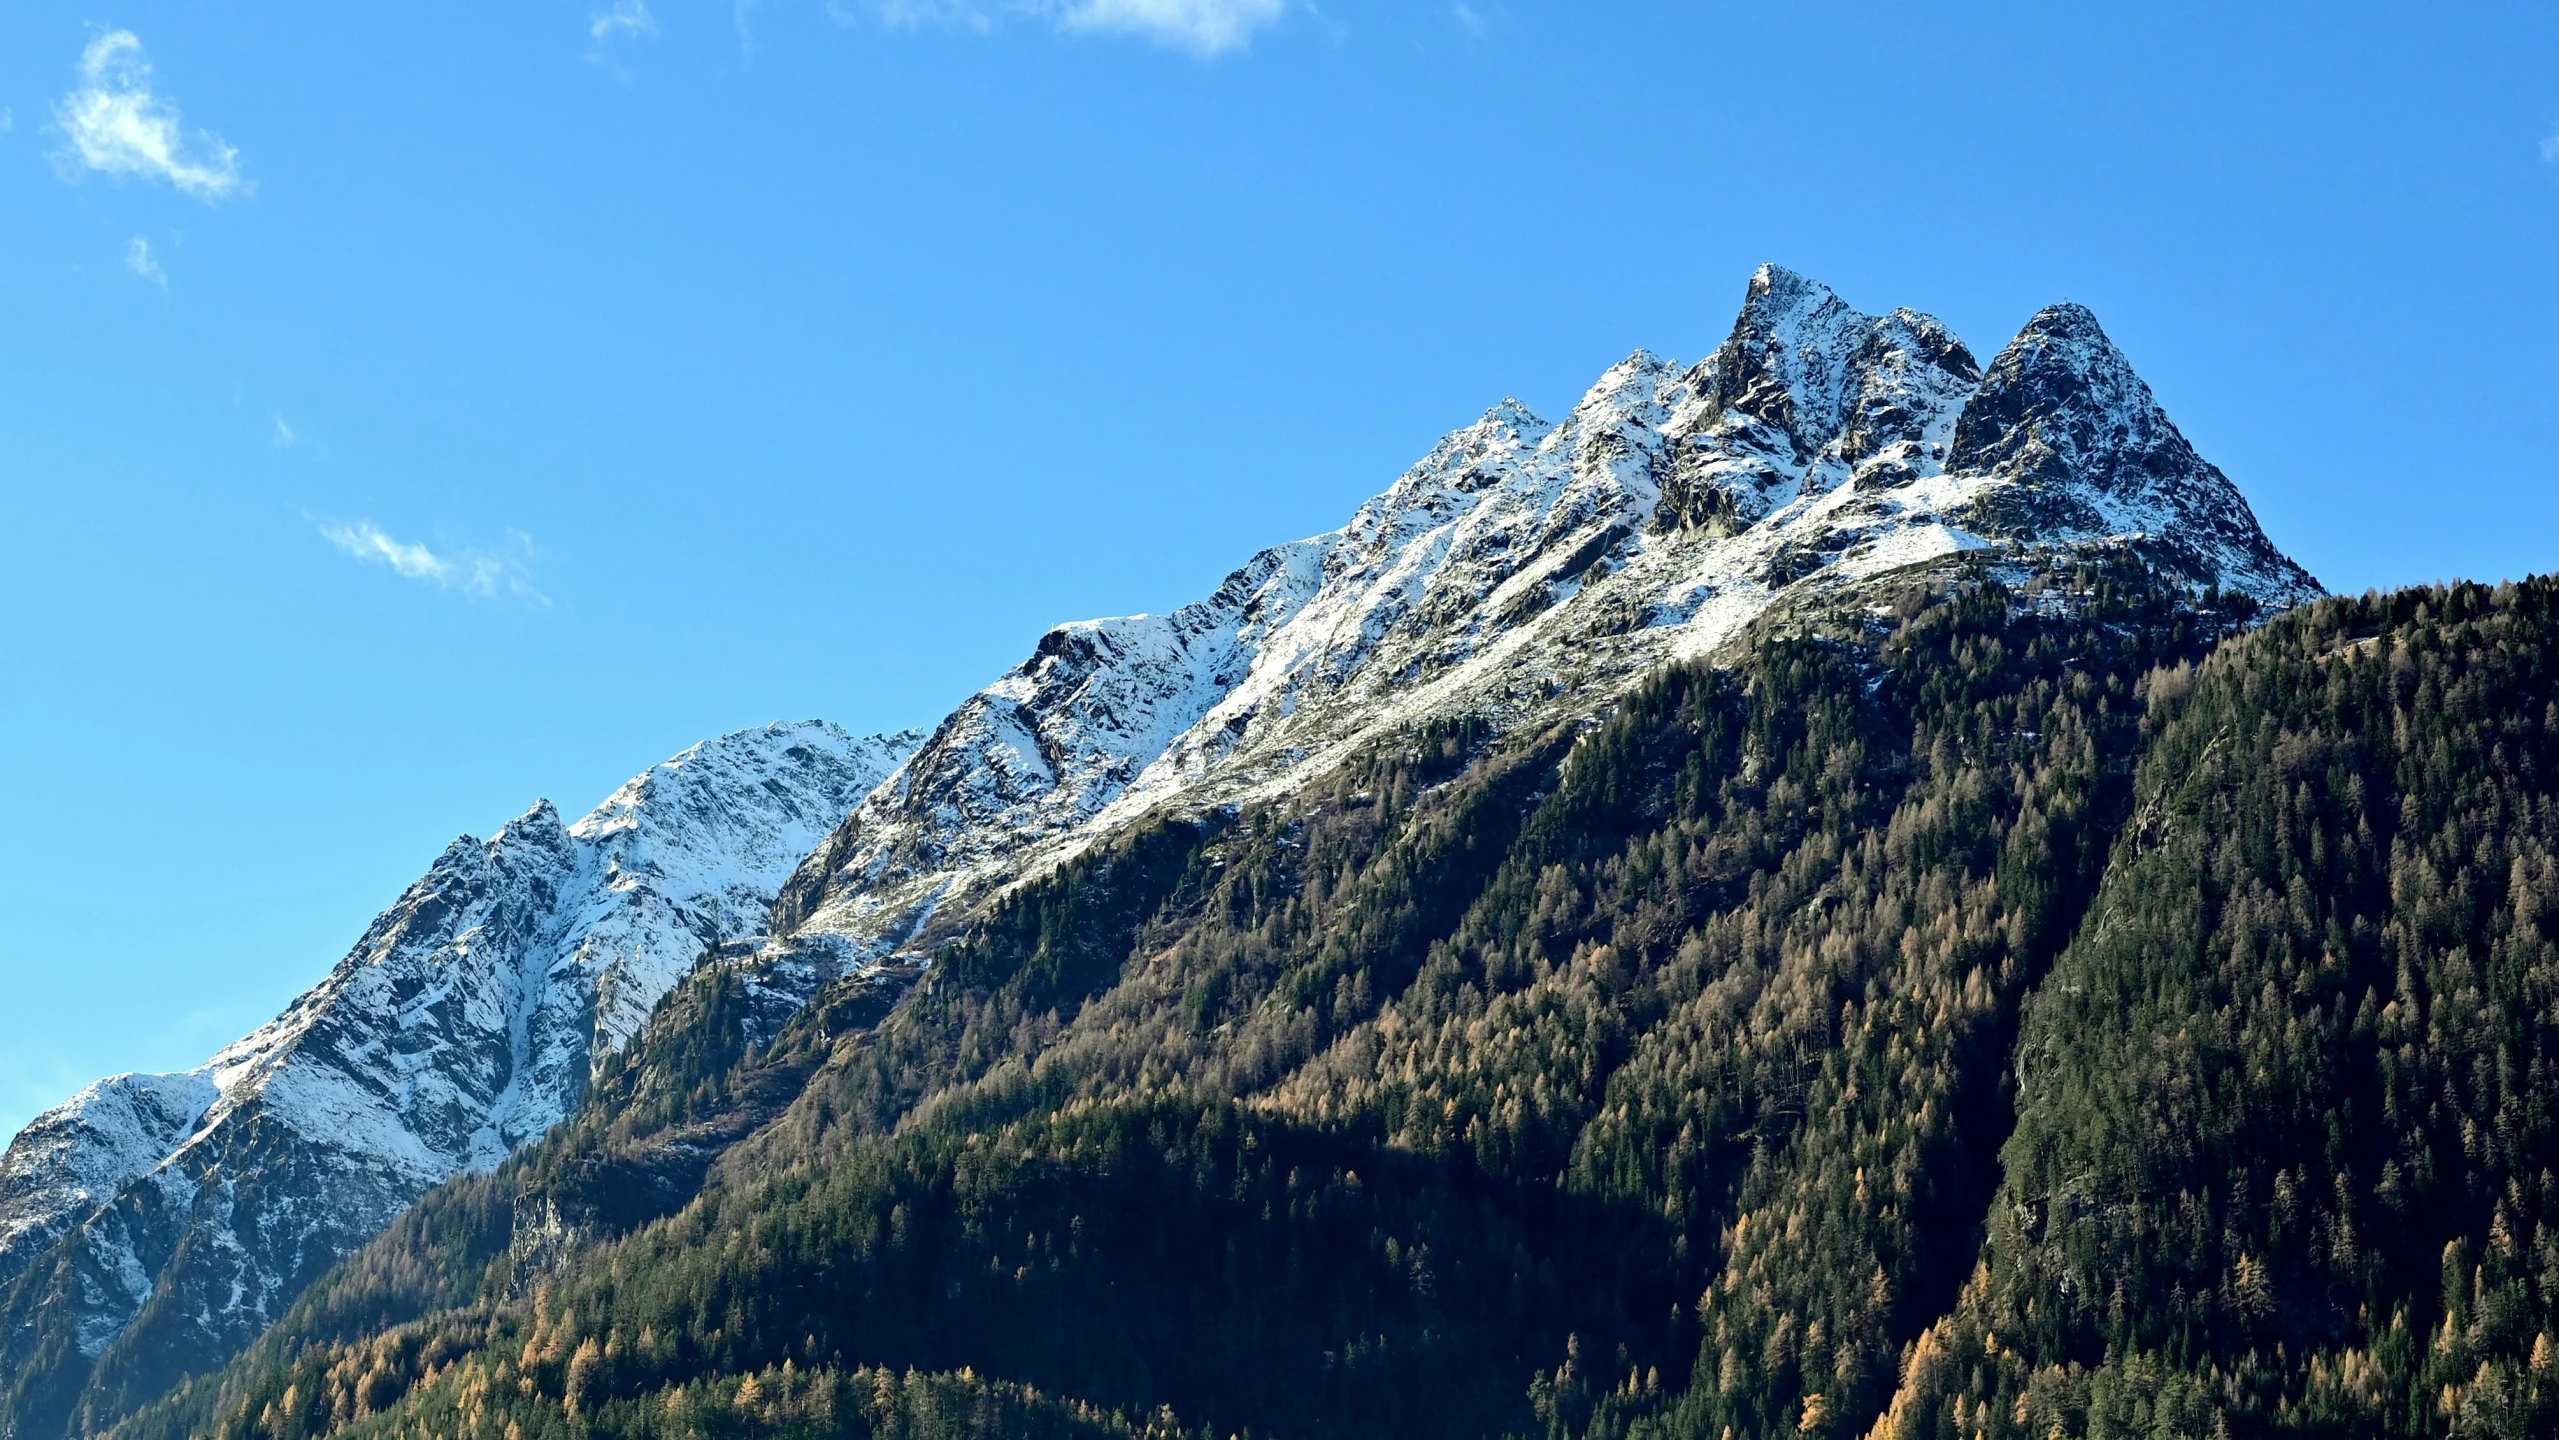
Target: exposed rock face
x=1522 y=561
x=76 y=1155
x=168 y=1218
x=2076 y=444
x=1803 y=389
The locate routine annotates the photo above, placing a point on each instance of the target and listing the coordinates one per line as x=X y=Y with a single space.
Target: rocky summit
x=1525 y=565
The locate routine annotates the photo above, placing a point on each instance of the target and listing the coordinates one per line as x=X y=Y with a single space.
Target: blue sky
x=406 y=412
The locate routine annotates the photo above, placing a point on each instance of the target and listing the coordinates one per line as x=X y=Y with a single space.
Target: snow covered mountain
x=169 y=1217
x=1521 y=570
x=1523 y=564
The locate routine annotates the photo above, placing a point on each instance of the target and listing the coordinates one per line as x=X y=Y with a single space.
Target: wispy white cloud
x=1203 y=27
x=906 y=14
x=8 y=119
x=478 y=574
x=626 y=22
x=284 y=435
x=1467 y=16
x=627 y=18
x=113 y=123
x=2550 y=150
x=139 y=260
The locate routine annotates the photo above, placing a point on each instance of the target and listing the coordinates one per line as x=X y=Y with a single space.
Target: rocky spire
x=2062 y=403
x=1786 y=362
x=2075 y=443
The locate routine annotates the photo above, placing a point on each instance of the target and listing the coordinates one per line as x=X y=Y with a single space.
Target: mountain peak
x=1782 y=366
x=2060 y=402
x=1775 y=282
x=1516 y=561
x=464 y=1022
x=2073 y=441
x=2065 y=317
x=540 y=821
x=1782 y=307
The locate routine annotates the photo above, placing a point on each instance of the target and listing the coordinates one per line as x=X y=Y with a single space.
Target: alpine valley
x=1835 y=890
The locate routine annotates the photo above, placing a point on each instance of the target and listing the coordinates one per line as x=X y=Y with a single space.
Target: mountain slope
x=1426 y=1100
x=1739 y=1007
x=153 y=1224
x=2286 y=1115
x=1339 y=899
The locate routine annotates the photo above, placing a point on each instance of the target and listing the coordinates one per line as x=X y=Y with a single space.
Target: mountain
x=1486 y=1084
x=1523 y=566
x=154 y=1223
x=1425 y=933
x=2029 y=1012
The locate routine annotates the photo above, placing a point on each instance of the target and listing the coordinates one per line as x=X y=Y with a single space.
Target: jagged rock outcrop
x=1804 y=390
x=2071 y=443
x=154 y=1223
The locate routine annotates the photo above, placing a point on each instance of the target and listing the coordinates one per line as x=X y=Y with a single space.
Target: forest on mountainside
x=2022 y=1008
x=2290 y=1105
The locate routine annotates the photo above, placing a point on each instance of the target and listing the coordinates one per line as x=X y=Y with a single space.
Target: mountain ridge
x=461 y=1026
x=1816 y=447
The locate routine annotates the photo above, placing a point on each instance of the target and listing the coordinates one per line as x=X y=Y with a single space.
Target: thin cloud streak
x=1203 y=27
x=113 y=124
x=476 y=574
